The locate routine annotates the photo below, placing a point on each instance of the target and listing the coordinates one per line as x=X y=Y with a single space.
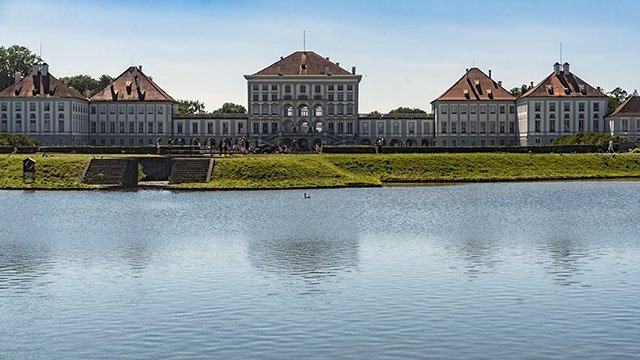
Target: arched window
x=303 y=111
x=288 y=110
x=319 y=127
x=304 y=127
x=318 y=110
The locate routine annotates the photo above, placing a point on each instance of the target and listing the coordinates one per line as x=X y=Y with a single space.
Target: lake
x=484 y=271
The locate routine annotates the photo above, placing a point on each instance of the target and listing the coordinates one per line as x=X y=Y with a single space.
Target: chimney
x=35 y=69
x=337 y=64
x=140 y=68
x=466 y=71
x=489 y=73
x=45 y=78
x=531 y=84
x=17 y=76
x=281 y=57
x=36 y=79
x=353 y=70
x=599 y=89
x=556 y=68
x=500 y=83
x=565 y=68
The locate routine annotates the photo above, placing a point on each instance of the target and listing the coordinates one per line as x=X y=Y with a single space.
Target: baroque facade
x=309 y=99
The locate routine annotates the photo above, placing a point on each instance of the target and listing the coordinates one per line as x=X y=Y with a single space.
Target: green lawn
x=334 y=170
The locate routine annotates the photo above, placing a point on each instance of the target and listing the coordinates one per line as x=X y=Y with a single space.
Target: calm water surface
x=486 y=271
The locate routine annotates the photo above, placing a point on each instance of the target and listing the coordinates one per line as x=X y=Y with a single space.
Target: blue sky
x=407 y=51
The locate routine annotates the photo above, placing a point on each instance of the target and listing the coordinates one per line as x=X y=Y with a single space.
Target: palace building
x=561 y=104
x=303 y=96
x=42 y=107
x=475 y=111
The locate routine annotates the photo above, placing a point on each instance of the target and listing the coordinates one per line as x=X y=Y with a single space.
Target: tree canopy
x=407 y=110
x=519 y=91
x=231 y=108
x=190 y=107
x=616 y=97
x=15 y=58
x=86 y=84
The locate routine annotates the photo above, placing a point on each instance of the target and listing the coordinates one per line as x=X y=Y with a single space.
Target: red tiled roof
x=132 y=85
x=563 y=85
x=475 y=85
x=631 y=107
x=54 y=89
x=303 y=63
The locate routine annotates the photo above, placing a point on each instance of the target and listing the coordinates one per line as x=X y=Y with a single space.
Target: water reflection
x=310 y=259
x=479 y=255
x=21 y=267
x=565 y=259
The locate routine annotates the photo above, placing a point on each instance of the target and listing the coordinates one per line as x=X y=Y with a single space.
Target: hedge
x=487 y=149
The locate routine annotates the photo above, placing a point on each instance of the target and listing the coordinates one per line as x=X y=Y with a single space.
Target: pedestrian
x=610 y=149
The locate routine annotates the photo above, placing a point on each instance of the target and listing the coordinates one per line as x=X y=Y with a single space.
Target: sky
x=408 y=51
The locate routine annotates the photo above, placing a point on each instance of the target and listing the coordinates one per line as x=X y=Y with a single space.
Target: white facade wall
x=51 y=121
x=625 y=126
x=129 y=123
x=321 y=107
x=476 y=123
x=401 y=130
x=209 y=128
x=544 y=119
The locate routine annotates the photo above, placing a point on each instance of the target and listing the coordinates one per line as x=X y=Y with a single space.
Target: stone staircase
x=116 y=172
x=191 y=170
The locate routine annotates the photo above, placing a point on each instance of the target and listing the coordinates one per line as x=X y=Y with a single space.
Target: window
x=443 y=109
x=502 y=127
x=340 y=87
x=566 y=126
x=349 y=96
x=472 y=127
x=502 y=109
x=492 y=127
x=473 y=109
x=463 y=127
x=240 y=127
x=265 y=87
x=483 y=127
x=265 y=97
x=567 y=107
x=316 y=89
x=225 y=127
x=256 y=128
x=349 y=87
x=512 y=109
x=396 y=127
x=60 y=106
x=140 y=109
x=454 y=128
x=121 y=127
x=121 y=110
x=287 y=88
x=209 y=128
x=131 y=127
x=112 y=127
x=412 y=128
x=625 y=124
x=492 y=109
x=103 y=127
x=537 y=106
x=274 y=127
x=581 y=125
x=274 y=110
x=330 y=128
x=596 y=125
x=274 y=97
x=288 y=110
x=103 y=110
x=340 y=127
x=596 y=106
x=483 y=109
x=552 y=107
x=463 y=109
x=537 y=126
x=141 y=128
x=581 y=106
x=274 y=87
x=552 y=126
x=92 y=127
x=255 y=87
x=330 y=87
x=443 y=127
x=265 y=127
x=303 y=89
x=3 y=106
x=330 y=97
x=381 y=128
x=340 y=97
x=454 y=109
x=179 y=128
x=349 y=128
x=365 y=128
x=131 y=109
x=60 y=125
x=349 y=109
x=112 y=109
x=47 y=106
x=318 y=110
x=303 y=111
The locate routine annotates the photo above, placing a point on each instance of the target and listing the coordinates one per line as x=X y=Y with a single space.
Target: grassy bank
x=336 y=170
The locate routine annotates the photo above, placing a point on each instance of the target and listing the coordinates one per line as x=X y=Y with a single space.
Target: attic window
x=466 y=93
x=490 y=93
x=549 y=89
x=304 y=66
x=128 y=84
x=567 y=91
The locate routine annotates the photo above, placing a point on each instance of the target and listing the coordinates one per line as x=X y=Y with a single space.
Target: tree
x=15 y=58
x=85 y=84
x=231 y=108
x=616 y=97
x=519 y=91
x=190 y=107
x=375 y=113
x=104 y=81
x=407 y=110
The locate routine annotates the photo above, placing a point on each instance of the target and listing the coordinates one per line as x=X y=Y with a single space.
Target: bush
x=588 y=138
x=17 y=140
x=567 y=149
